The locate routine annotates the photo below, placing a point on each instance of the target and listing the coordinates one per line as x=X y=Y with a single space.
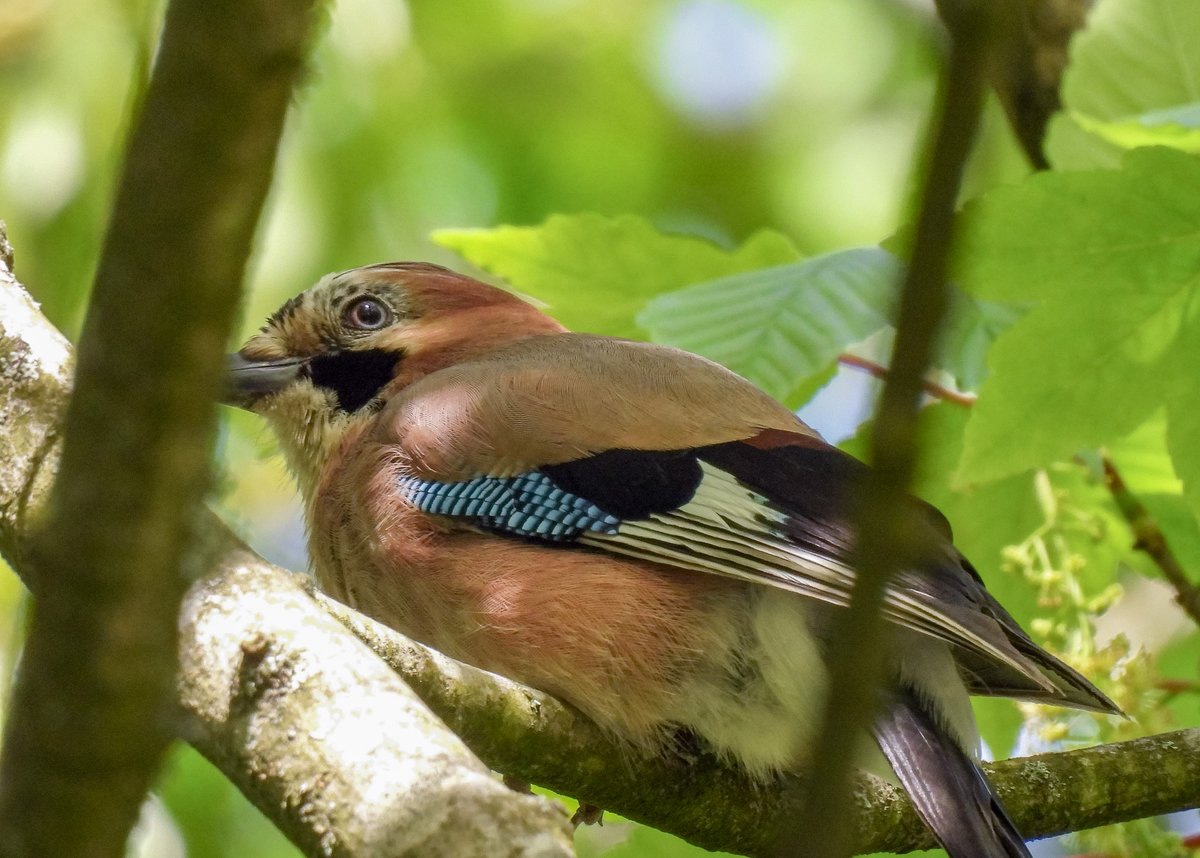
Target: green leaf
x=1181 y=660
x=971 y=329
x=1177 y=521
x=1145 y=466
x=1112 y=260
x=780 y=327
x=1132 y=58
x=1183 y=404
x=1131 y=133
x=597 y=273
x=1142 y=459
x=999 y=723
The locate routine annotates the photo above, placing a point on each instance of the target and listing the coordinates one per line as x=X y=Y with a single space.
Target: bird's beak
x=247 y=381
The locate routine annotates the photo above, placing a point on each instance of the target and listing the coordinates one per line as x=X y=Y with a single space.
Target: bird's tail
x=947 y=786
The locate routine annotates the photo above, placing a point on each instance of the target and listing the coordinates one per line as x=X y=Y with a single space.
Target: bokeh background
x=710 y=117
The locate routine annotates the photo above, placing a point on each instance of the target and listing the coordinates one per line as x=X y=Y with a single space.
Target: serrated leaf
x=1112 y=260
x=971 y=326
x=596 y=273
x=1133 y=57
x=780 y=327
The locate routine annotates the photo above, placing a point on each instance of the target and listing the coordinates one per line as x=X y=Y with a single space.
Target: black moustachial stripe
x=356 y=377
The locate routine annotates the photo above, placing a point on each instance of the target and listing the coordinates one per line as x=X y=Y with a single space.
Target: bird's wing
x=656 y=454
x=947 y=786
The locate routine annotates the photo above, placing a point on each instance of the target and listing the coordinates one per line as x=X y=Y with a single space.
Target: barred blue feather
x=527 y=505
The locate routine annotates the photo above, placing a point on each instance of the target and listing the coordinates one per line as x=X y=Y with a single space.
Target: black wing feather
x=947 y=786
x=631 y=484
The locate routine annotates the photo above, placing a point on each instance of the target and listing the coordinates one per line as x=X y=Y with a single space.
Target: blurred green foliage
x=715 y=174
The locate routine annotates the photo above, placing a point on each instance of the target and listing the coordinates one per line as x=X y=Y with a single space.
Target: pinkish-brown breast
x=614 y=637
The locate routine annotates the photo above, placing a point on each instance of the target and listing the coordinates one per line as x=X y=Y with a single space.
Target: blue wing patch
x=526 y=505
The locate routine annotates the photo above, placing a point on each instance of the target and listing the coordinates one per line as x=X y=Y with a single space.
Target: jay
x=627 y=526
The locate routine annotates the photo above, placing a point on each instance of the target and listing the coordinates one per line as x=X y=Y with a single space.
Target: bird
x=630 y=527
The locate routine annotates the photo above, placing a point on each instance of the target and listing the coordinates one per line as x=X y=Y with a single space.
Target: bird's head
x=328 y=359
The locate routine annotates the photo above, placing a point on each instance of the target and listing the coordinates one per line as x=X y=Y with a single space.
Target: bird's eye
x=367 y=314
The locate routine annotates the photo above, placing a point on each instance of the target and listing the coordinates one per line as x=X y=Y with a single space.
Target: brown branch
x=934 y=389
x=888 y=538
x=88 y=722
x=1149 y=537
x=263 y=663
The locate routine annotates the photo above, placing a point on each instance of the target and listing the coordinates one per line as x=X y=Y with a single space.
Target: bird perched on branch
x=629 y=527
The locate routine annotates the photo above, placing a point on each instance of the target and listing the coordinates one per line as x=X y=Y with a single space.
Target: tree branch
x=1149 y=537
x=327 y=740
x=888 y=537
x=299 y=717
x=88 y=721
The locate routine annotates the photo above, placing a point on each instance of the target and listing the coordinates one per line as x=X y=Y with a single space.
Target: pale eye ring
x=367 y=314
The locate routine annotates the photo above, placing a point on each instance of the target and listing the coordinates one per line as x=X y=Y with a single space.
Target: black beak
x=247 y=381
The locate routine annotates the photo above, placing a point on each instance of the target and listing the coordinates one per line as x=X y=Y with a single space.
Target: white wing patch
x=729 y=530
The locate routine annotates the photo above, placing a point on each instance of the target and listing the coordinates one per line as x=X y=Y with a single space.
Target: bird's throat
x=355 y=377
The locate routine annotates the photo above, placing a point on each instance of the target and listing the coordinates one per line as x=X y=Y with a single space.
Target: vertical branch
x=92 y=709
x=888 y=534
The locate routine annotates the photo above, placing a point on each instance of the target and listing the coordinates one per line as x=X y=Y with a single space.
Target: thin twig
x=1149 y=537
x=934 y=389
x=887 y=536
x=1173 y=686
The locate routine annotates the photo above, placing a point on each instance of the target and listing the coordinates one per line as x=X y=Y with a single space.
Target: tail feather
x=947 y=786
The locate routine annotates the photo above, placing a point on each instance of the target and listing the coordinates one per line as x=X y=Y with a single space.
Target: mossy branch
x=89 y=716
